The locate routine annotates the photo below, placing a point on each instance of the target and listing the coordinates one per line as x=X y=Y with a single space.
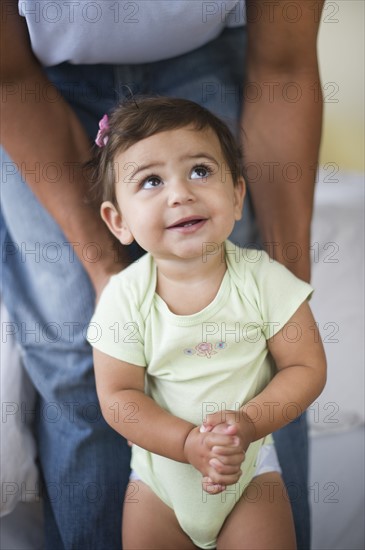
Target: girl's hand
x=235 y=424
x=200 y=451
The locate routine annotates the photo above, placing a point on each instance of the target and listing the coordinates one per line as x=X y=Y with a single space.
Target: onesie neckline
x=207 y=312
x=200 y=316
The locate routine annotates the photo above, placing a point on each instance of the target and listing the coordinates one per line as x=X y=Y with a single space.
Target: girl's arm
x=301 y=375
x=141 y=420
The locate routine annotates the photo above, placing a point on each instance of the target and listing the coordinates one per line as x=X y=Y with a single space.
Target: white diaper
x=267 y=461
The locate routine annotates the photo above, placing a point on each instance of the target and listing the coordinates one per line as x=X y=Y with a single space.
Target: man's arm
x=282 y=122
x=37 y=130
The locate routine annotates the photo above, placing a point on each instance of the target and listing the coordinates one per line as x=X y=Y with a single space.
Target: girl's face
x=175 y=193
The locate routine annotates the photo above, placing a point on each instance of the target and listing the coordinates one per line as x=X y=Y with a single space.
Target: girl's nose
x=180 y=193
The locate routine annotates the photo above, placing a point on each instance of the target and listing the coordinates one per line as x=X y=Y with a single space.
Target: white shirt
x=121 y=31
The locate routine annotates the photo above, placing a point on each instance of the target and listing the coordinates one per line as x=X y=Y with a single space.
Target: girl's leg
x=262 y=519
x=149 y=524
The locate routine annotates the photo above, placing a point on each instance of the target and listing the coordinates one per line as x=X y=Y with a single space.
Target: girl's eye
x=200 y=172
x=151 y=182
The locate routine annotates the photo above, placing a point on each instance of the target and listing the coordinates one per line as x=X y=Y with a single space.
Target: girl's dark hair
x=140 y=118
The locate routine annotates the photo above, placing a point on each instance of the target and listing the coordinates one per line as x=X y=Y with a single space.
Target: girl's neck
x=189 y=290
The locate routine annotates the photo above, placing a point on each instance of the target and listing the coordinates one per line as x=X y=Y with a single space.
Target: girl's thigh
x=149 y=524
x=262 y=519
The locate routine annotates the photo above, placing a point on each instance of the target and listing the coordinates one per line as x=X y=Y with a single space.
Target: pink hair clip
x=102 y=137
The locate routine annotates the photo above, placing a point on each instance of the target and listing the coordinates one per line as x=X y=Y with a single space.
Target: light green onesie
x=197 y=364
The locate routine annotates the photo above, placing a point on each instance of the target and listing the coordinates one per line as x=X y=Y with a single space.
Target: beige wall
x=341 y=55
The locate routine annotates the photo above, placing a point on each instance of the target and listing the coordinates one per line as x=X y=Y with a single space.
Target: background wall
x=341 y=54
x=338 y=222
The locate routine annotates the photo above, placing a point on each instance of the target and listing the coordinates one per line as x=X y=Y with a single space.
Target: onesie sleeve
x=117 y=327
x=279 y=293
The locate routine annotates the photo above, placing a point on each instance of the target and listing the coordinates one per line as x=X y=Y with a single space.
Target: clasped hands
x=217 y=448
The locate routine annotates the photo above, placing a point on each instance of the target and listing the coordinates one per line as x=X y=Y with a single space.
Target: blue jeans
x=84 y=463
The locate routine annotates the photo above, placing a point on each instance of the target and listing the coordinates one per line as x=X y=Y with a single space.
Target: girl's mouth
x=188 y=225
x=187 y=222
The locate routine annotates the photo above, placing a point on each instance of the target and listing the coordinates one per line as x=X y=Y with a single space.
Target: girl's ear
x=239 y=196
x=115 y=222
